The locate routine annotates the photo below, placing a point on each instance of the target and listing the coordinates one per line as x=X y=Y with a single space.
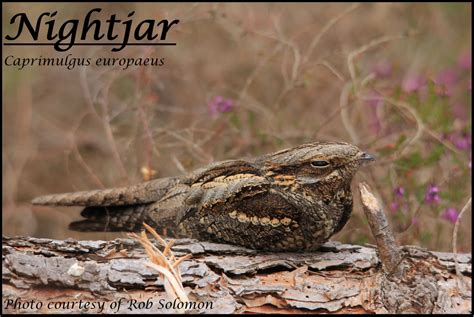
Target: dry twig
x=164 y=262
x=388 y=249
x=455 y=237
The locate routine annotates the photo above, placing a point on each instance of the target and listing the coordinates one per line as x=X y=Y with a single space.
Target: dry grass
x=164 y=262
x=296 y=72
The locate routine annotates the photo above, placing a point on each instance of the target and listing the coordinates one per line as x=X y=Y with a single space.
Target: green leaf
x=234 y=120
x=279 y=142
x=262 y=136
x=420 y=193
x=432 y=96
x=400 y=140
x=414 y=160
x=426 y=236
x=361 y=240
x=453 y=194
x=435 y=154
x=250 y=119
x=413 y=100
x=386 y=150
x=400 y=216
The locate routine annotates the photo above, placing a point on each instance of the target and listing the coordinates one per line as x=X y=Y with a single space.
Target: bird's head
x=317 y=165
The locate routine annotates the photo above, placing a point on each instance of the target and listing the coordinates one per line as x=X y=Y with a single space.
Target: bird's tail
x=112 y=218
x=127 y=218
x=119 y=209
x=137 y=194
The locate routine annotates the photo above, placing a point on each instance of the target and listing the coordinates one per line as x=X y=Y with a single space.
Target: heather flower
x=446 y=82
x=382 y=69
x=413 y=83
x=450 y=214
x=462 y=142
x=432 y=195
x=446 y=77
x=459 y=111
x=465 y=61
x=399 y=191
x=394 y=206
x=219 y=105
x=414 y=221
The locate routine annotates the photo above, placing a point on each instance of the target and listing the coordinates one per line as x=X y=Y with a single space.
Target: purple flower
x=399 y=191
x=446 y=82
x=394 y=206
x=462 y=141
x=219 y=105
x=465 y=61
x=459 y=111
x=450 y=214
x=446 y=77
x=414 y=221
x=413 y=83
x=382 y=69
x=431 y=196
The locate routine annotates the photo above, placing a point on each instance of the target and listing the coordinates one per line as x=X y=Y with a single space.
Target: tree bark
x=73 y=276
x=408 y=285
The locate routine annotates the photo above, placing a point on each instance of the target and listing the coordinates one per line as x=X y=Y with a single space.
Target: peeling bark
x=408 y=284
x=339 y=278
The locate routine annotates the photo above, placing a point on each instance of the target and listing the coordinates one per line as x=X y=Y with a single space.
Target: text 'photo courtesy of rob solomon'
x=206 y=157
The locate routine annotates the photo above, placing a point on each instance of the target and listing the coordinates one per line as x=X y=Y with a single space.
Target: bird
x=291 y=200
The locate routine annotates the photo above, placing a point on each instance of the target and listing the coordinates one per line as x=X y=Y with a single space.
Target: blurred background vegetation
x=247 y=79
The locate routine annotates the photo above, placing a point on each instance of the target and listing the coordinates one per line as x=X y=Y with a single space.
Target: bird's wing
x=146 y=192
x=221 y=181
x=224 y=168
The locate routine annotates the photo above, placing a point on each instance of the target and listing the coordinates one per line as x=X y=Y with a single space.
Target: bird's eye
x=319 y=163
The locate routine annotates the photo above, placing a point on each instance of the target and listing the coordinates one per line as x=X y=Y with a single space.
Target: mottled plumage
x=294 y=199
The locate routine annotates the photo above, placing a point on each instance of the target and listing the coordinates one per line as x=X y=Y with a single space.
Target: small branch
x=368 y=46
x=420 y=127
x=104 y=103
x=325 y=29
x=388 y=249
x=257 y=70
x=332 y=69
x=455 y=236
x=86 y=167
x=343 y=104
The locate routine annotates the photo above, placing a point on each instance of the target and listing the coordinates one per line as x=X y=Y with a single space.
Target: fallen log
x=337 y=278
x=73 y=276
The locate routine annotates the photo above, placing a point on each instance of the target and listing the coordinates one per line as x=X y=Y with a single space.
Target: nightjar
x=291 y=200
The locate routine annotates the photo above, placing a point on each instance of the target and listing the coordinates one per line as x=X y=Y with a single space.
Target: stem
x=388 y=248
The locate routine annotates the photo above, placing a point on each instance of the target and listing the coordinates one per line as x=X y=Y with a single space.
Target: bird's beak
x=366 y=157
